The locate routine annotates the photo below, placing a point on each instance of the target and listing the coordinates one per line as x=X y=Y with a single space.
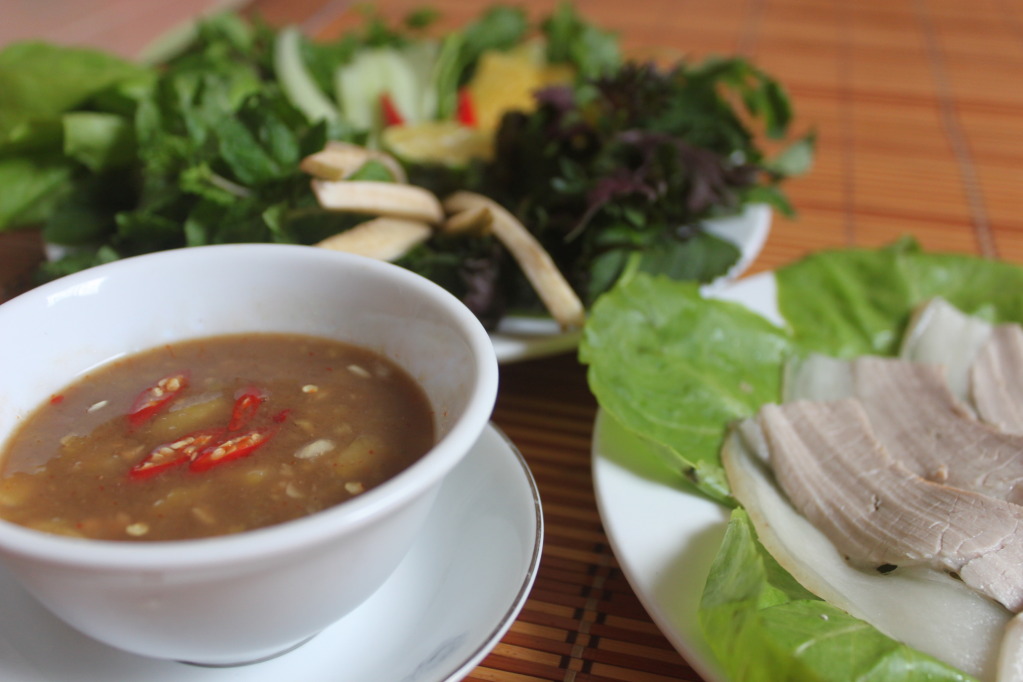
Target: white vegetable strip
x=379 y=198
x=338 y=160
x=475 y=221
x=382 y=238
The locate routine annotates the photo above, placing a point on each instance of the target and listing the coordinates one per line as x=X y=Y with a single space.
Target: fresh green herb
x=622 y=168
x=571 y=40
x=42 y=142
x=207 y=153
x=498 y=28
x=614 y=171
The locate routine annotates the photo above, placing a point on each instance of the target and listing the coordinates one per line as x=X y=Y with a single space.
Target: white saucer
x=447 y=605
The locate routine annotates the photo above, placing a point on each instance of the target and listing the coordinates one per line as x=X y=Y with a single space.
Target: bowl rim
x=306 y=532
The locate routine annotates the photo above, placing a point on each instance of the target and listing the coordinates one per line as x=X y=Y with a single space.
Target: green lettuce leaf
x=32 y=187
x=858 y=301
x=677 y=368
x=40 y=81
x=764 y=627
x=43 y=143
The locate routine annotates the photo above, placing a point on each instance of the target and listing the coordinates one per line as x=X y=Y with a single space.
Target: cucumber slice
x=295 y=79
x=404 y=75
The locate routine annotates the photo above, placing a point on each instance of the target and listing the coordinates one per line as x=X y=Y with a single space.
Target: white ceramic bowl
x=239 y=598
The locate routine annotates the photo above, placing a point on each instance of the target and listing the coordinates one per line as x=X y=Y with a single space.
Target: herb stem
x=220 y=182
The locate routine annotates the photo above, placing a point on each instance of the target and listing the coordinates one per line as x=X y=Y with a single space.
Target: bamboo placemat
x=918 y=109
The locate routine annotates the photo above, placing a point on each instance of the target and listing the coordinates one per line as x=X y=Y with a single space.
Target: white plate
x=664 y=537
x=522 y=338
x=447 y=605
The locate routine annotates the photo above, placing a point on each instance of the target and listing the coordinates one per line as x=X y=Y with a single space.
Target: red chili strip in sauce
x=157 y=397
x=245 y=407
x=232 y=448
x=176 y=452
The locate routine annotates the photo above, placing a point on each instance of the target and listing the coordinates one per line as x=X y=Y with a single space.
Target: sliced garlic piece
x=314 y=449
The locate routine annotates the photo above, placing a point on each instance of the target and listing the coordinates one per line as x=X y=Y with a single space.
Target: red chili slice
x=155 y=398
x=389 y=111
x=466 y=113
x=245 y=408
x=232 y=448
x=176 y=452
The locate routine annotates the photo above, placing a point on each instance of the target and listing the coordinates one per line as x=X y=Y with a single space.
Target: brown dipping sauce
x=213 y=436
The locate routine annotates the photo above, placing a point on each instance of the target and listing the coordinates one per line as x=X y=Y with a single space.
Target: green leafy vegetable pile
x=613 y=171
x=676 y=368
x=618 y=172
